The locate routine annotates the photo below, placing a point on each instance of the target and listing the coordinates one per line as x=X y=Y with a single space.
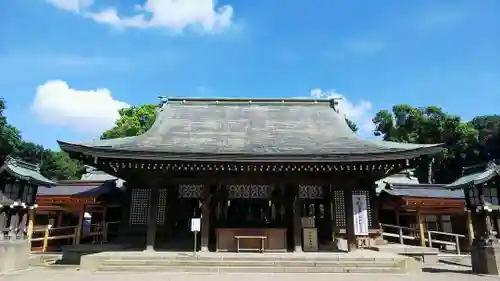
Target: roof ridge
x=21 y=163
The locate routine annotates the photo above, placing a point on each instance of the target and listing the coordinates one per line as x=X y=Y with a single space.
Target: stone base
x=486 y=259
x=72 y=254
x=14 y=255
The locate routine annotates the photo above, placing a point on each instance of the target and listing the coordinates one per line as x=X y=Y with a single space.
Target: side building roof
x=476 y=175
x=424 y=191
x=406 y=184
x=79 y=188
x=250 y=130
x=24 y=171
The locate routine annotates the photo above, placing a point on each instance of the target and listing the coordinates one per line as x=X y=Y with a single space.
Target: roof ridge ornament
x=163 y=101
x=334 y=103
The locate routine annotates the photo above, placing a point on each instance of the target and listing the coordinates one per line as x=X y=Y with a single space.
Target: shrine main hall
x=261 y=174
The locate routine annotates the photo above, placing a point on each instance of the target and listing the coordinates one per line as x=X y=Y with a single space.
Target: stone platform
x=425 y=254
x=14 y=255
x=361 y=261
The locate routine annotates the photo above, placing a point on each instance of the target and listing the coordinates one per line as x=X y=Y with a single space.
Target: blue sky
x=68 y=65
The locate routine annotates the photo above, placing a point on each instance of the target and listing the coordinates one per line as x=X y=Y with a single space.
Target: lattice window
x=139 y=206
x=162 y=206
x=366 y=193
x=339 y=208
x=259 y=191
x=310 y=191
x=190 y=190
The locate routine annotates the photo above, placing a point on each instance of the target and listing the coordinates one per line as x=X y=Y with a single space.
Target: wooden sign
x=360 y=210
x=310 y=239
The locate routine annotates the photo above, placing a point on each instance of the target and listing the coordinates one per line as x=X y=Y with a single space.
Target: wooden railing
x=432 y=237
x=45 y=234
x=438 y=235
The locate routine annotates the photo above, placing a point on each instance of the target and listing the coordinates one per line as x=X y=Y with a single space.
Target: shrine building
x=262 y=174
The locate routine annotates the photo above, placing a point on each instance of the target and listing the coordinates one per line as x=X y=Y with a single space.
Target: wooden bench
x=262 y=239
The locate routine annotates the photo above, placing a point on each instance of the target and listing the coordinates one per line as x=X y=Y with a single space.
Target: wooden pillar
x=327 y=202
x=59 y=219
x=205 y=218
x=171 y=211
x=297 y=228
x=152 y=218
x=470 y=228
x=400 y=230
x=349 y=211
x=104 y=224
x=3 y=222
x=421 y=228
x=31 y=223
x=79 y=226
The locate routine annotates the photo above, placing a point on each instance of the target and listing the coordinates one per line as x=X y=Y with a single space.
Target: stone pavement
x=439 y=273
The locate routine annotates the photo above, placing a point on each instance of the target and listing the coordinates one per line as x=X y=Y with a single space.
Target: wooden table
x=251 y=238
x=256 y=237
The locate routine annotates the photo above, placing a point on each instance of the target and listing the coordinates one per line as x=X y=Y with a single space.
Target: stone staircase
x=253 y=263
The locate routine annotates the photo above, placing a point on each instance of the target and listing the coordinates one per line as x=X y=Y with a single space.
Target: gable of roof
x=24 y=171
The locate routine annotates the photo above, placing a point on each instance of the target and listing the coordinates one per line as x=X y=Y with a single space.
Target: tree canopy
x=133 y=121
x=468 y=142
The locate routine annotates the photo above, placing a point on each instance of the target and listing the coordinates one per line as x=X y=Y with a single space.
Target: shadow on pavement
x=446 y=270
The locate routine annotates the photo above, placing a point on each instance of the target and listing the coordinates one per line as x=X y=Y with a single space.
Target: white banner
x=360 y=210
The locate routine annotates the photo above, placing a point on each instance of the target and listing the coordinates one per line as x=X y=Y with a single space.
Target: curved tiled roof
x=25 y=171
x=244 y=127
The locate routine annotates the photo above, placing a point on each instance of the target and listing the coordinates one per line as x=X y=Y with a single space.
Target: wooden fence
x=432 y=237
x=47 y=238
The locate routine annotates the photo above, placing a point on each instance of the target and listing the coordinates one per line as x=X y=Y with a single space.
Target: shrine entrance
x=316 y=211
x=252 y=210
x=188 y=206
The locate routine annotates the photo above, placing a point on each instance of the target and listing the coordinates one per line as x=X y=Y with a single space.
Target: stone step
x=250 y=263
x=264 y=257
x=252 y=269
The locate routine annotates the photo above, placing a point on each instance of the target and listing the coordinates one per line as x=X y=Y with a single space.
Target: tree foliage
x=468 y=142
x=133 y=121
x=54 y=164
x=352 y=125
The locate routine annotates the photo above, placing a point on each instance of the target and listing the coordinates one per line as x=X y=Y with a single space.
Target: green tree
x=352 y=125
x=10 y=136
x=488 y=127
x=429 y=125
x=133 y=121
x=58 y=165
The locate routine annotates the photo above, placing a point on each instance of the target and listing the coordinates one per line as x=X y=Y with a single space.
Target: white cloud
x=71 y=5
x=360 y=112
x=85 y=111
x=174 y=15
